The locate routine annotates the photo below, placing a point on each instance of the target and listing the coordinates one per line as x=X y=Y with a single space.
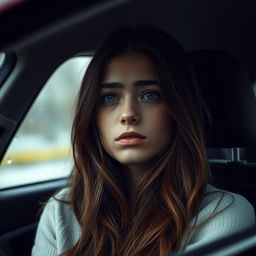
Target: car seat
x=228 y=93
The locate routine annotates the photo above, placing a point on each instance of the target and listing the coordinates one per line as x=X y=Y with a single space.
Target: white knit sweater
x=58 y=229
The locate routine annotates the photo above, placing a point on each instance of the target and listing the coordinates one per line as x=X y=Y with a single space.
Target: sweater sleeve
x=45 y=241
x=222 y=214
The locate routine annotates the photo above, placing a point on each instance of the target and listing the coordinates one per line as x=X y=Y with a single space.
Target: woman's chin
x=132 y=161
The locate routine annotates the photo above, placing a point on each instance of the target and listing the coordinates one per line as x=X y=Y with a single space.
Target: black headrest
x=228 y=93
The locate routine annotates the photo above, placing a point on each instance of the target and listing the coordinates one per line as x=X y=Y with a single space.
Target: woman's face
x=132 y=117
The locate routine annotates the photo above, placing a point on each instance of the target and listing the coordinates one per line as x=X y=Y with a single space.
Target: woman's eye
x=151 y=96
x=109 y=98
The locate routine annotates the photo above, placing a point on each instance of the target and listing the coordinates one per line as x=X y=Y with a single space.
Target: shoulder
x=227 y=205
x=221 y=214
x=56 y=209
x=58 y=228
x=62 y=195
x=57 y=204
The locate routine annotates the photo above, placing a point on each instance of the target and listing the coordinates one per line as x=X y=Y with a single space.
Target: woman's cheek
x=159 y=115
x=105 y=122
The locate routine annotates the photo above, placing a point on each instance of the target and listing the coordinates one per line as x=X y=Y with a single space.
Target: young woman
x=140 y=181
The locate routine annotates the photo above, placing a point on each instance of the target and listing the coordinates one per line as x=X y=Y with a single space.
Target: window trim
x=7 y=66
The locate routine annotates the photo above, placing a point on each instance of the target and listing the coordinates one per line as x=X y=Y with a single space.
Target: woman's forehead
x=130 y=66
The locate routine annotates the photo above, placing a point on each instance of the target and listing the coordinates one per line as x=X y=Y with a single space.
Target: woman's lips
x=130 y=139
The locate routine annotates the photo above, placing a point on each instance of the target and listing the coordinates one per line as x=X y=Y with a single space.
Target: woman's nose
x=129 y=114
x=130 y=119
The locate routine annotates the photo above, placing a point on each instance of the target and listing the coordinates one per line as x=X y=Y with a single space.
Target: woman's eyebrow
x=136 y=83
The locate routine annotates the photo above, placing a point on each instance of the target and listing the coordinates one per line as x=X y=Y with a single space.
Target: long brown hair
x=170 y=195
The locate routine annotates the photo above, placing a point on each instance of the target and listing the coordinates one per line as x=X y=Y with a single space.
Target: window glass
x=41 y=149
x=2 y=56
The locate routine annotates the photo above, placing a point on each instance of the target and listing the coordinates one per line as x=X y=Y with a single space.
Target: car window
x=41 y=148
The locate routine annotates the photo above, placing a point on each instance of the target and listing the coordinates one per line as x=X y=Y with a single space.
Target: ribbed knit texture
x=58 y=229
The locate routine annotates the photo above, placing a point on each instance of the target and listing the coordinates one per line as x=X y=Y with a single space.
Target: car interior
x=220 y=39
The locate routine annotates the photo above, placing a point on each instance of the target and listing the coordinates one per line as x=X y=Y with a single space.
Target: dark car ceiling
x=228 y=25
